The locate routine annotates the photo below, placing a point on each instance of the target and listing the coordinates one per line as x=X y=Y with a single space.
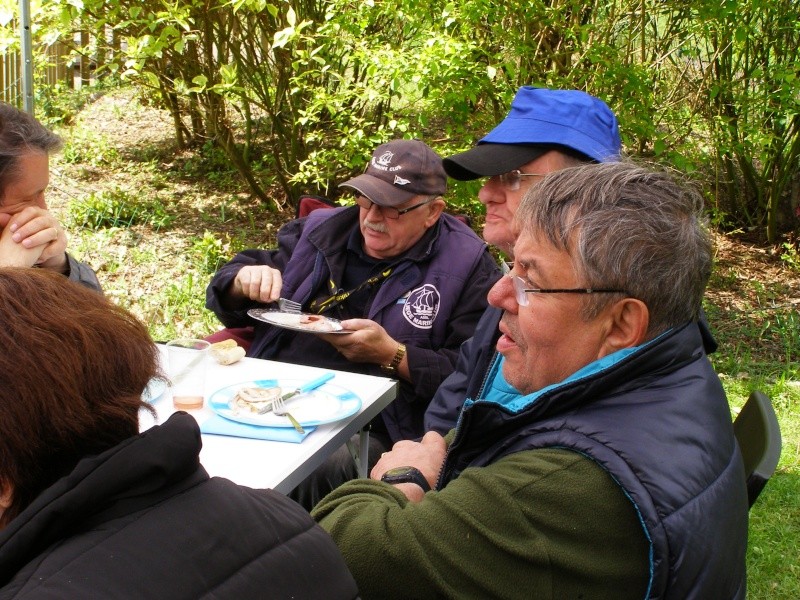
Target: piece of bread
x=223 y=345
x=227 y=352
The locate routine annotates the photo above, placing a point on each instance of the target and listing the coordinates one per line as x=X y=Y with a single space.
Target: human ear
x=6 y=495
x=435 y=210
x=628 y=320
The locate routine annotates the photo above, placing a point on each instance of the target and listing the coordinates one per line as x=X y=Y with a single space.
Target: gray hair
x=21 y=134
x=629 y=228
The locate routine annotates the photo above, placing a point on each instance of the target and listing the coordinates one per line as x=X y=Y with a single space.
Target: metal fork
x=289 y=305
x=279 y=408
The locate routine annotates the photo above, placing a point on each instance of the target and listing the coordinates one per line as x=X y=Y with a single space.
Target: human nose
x=492 y=191
x=502 y=295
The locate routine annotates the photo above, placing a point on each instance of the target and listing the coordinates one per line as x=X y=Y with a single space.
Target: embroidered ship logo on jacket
x=422 y=306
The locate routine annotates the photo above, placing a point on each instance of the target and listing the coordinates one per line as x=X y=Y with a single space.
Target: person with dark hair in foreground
x=90 y=508
x=30 y=236
x=598 y=459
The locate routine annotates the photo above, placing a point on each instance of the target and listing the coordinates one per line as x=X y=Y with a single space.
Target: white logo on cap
x=400 y=181
x=385 y=159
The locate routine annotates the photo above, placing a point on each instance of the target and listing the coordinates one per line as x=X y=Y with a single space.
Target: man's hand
x=257 y=282
x=427 y=456
x=38 y=233
x=13 y=254
x=369 y=343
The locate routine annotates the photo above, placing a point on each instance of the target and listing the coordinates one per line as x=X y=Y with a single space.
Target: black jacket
x=144 y=520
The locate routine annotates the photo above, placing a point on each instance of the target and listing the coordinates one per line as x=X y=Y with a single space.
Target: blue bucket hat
x=541 y=120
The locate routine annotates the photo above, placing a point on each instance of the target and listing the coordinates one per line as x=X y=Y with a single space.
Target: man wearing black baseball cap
x=407 y=279
x=545 y=131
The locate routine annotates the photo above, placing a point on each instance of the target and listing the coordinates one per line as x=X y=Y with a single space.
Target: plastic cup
x=187 y=372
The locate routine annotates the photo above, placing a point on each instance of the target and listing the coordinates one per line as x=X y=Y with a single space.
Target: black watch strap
x=406 y=475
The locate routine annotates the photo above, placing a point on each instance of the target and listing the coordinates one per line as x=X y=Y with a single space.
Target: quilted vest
x=659 y=423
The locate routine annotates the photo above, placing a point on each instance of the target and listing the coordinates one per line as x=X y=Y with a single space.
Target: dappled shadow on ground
x=753 y=292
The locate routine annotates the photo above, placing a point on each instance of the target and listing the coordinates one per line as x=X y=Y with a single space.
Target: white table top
x=277 y=465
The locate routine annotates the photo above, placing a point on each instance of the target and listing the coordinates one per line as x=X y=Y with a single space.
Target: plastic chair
x=308 y=203
x=759 y=437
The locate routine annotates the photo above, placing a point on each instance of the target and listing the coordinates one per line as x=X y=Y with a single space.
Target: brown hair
x=21 y=134
x=72 y=370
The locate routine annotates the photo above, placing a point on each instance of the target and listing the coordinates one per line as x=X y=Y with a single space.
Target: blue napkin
x=219 y=425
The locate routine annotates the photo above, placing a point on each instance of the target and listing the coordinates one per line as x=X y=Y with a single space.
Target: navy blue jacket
x=658 y=421
x=450 y=264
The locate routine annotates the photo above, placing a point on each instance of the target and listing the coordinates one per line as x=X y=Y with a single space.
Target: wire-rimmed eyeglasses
x=521 y=292
x=390 y=212
x=512 y=179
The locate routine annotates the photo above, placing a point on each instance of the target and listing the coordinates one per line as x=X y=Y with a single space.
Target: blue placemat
x=218 y=425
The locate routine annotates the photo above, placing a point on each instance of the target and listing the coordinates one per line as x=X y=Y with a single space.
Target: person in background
x=407 y=279
x=599 y=460
x=546 y=130
x=89 y=507
x=30 y=236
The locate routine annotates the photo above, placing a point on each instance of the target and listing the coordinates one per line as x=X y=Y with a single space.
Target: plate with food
x=251 y=402
x=298 y=321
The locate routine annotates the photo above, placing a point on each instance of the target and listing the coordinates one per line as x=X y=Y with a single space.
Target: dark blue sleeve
x=473 y=362
x=234 y=313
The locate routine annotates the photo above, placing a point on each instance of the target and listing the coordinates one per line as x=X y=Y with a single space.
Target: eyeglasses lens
x=387 y=211
x=511 y=180
x=519 y=290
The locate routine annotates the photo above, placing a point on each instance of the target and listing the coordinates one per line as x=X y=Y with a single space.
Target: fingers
x=35 y=226
x=259 y=283
x=13 y=254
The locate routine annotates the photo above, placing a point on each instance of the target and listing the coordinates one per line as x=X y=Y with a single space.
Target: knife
x=306 y=387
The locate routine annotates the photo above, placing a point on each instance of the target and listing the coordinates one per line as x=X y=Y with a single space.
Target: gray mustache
x=379 y=227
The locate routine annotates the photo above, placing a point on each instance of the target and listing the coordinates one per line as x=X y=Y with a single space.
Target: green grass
x=759 y=336
x=180 y=215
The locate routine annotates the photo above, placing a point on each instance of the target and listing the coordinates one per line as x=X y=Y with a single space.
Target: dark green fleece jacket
x=536 y=524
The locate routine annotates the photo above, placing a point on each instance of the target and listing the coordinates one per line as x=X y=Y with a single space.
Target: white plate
x=291 y=320
x=154 y=390
x=326 y=404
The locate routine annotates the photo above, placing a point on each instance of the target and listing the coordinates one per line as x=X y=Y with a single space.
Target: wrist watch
x=391 y=368
x=406 y=475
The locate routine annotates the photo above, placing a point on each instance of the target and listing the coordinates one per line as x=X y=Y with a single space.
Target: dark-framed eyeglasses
x=389 y=211
x=521 y=292
x=512 y=179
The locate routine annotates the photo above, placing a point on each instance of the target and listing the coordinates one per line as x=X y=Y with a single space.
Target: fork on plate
x=289 y=306
x=279 y=408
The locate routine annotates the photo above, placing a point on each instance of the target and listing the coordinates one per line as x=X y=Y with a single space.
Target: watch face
x=399 y=471
x=406 y=475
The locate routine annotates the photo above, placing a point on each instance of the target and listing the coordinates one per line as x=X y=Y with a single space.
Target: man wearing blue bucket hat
x=545 y=131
